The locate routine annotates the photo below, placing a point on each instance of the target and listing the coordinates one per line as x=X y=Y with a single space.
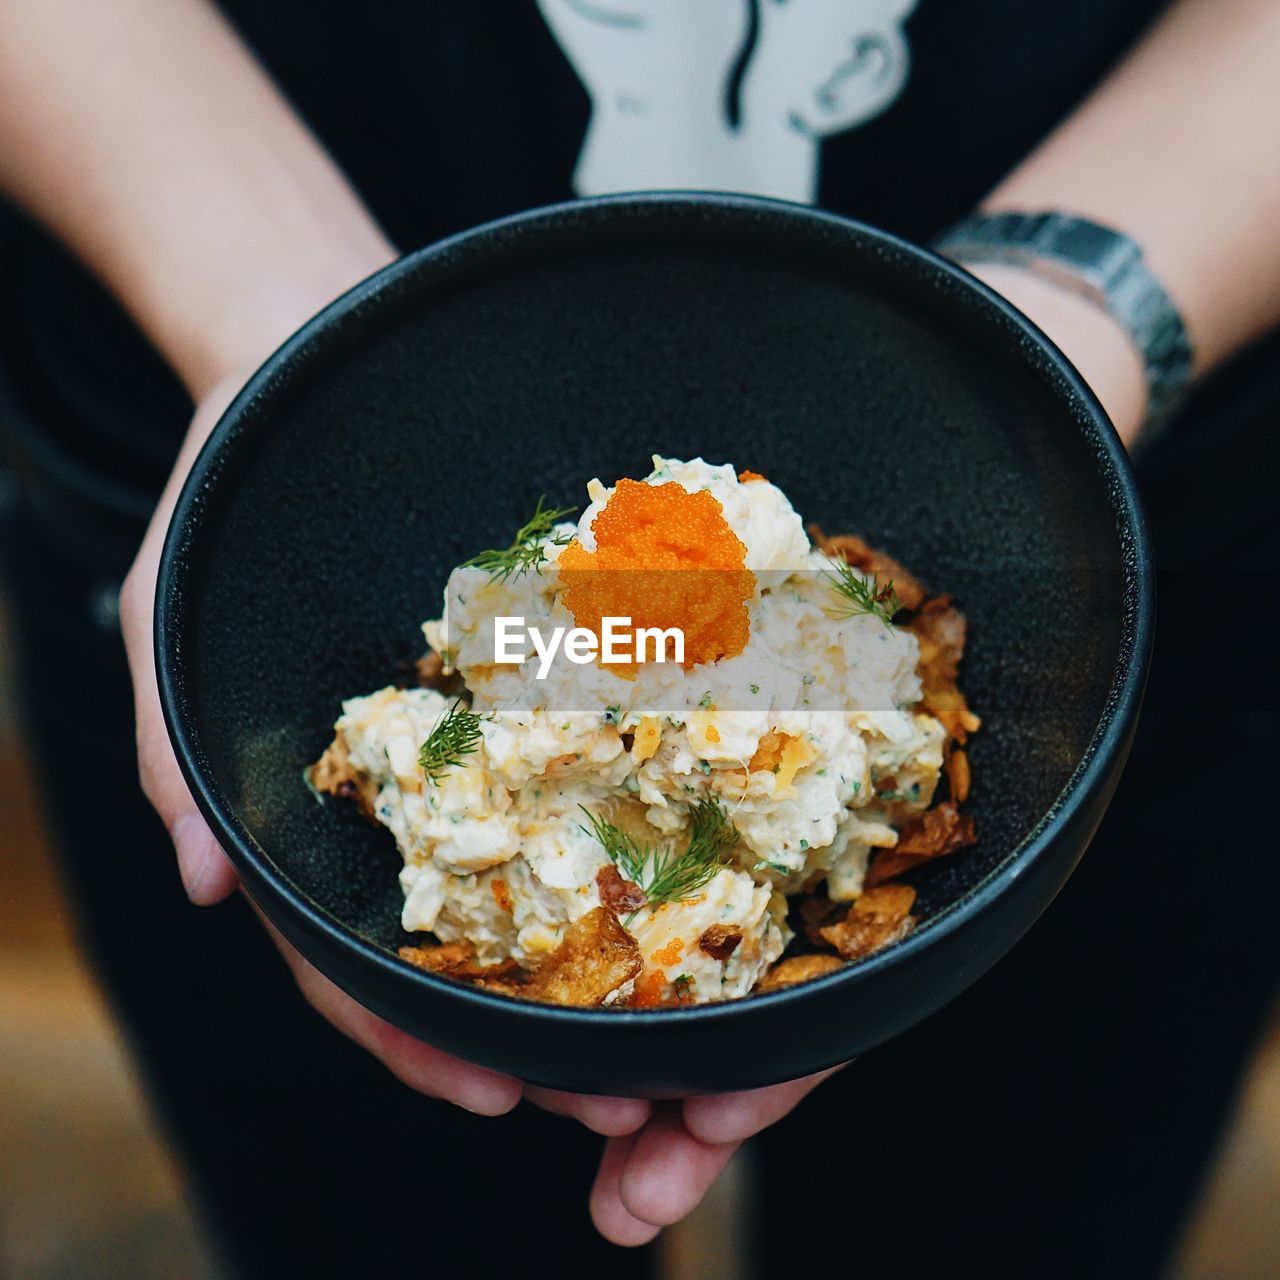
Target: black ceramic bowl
x=421 y=416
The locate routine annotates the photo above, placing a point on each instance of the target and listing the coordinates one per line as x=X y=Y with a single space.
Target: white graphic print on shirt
x=725 y=95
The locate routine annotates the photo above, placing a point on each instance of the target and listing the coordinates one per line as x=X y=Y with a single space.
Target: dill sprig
x=662 y=872
x=861 y=595
x=528 y=548
x=457 y=734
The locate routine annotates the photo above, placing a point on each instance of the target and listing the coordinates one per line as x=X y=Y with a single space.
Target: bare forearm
x=1179 y=149
x=142 y=134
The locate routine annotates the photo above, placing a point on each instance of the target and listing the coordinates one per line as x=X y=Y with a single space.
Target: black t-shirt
x=447 y=114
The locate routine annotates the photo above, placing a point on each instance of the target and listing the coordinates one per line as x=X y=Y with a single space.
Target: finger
x=207 y=874
x=612 y=1117
x=421 y=1066
x=734 y=1117
x=610 y=1215
x=668 y=1171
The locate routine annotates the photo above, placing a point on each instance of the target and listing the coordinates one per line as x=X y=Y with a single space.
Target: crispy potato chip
x=949 y=706
x=512 y=986
x=795 y=969
x=430 y=674
x=430 y=669
x=853 y=550
x=940 y=629
x=335 y=775
x=889 y=863
x=939 y=831
x=617 y=892
x=720 y=941
x=877 y=918
x=942 y=829
x=887 y=904
x=456 y=960
x=958 y=777
x=594 y=958
x=811 y=911
x=856 y=938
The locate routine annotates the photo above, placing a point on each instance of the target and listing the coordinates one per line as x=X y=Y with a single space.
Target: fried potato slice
x=940 y=630
x=456 y=960
x=935 y=833
x=853 y=550
x=430 y=674
x=594 y=958
x=788 y=972
x=335 y=775
x=889 y=863
x=880 y=916
x=942 y=829
x=617 y=892
x=720 y=941
x=887 y=904
x=958 y=776
x=511 y=986
x=812 y=912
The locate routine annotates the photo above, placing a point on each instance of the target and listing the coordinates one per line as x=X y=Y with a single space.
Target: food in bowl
x=675 y=751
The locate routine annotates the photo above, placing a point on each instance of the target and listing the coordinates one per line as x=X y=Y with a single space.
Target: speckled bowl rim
x=218 y=457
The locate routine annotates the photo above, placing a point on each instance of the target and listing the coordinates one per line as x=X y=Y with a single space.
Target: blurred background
x=90 y=1191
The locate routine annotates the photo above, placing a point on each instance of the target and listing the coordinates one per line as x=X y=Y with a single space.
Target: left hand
x=654 y=1176
x=658 y=1162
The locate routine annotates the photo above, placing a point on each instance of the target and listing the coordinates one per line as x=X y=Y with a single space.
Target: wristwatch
x=1100 y=264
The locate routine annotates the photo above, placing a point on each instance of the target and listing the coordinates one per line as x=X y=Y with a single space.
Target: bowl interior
x=420 y=420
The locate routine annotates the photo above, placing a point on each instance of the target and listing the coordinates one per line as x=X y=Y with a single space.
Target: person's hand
x=657 y=1175
x=654 y=1177
x=1093 y=342
x=203 y=203
x=209 y=877
x=658 y=1162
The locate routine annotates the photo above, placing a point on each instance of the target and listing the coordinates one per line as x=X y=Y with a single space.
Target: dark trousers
x=1054 y=1121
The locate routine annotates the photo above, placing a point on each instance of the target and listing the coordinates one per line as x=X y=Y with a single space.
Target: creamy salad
x=789 y=744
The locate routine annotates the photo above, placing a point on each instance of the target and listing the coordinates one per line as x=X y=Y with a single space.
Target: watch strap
x=1100 y=264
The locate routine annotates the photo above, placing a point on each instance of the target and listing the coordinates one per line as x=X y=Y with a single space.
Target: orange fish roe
x=650 y=989
x=683 y=567
x=502 y=895
x=671 y=953
x=745 y=476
